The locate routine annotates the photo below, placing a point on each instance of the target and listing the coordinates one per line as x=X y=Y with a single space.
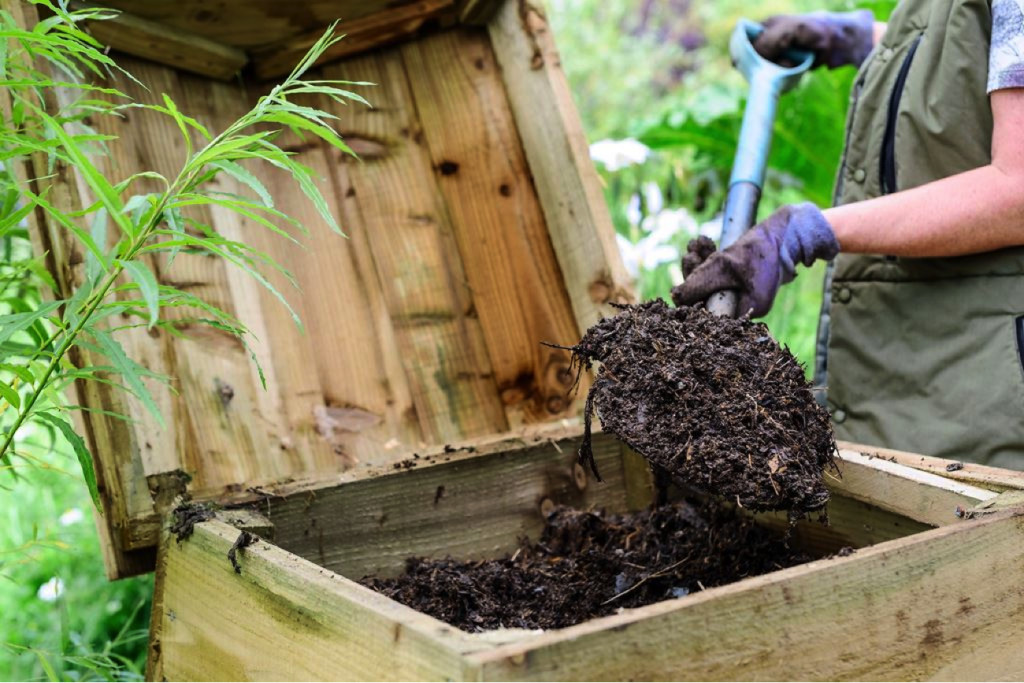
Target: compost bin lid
x=476 y=230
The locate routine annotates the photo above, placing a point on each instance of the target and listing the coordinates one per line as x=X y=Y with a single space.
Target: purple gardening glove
x=835 y=38
x=759 y=262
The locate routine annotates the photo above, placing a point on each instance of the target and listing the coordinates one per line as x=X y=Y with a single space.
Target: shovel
x=767 y=81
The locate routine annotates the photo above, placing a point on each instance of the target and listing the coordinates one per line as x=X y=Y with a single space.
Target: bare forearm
x=971 y=212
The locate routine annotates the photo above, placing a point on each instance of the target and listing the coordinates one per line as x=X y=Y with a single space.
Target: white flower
x=656 y=248
x=72 y=516
x=713 y=228
x=647 y=253
x=51 y=590
x=653 y=197
x=668 y=223
x=633 y=213
x=618 y=154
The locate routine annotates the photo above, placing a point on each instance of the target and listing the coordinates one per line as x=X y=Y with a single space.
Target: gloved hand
x=759 y=262
x=835 y=38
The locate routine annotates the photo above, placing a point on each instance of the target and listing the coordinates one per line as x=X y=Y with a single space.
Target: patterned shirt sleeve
x=1006 y=56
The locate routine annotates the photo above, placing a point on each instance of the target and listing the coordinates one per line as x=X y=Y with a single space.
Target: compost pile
x=588 y=564
x=711 y=401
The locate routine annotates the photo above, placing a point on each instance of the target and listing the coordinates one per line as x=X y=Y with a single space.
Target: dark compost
x=713 y=402
x=589 y=564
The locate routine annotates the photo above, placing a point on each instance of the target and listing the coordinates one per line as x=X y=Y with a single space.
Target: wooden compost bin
x=477 y=228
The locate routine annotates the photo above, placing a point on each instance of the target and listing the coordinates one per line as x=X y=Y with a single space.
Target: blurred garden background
x=661 y=106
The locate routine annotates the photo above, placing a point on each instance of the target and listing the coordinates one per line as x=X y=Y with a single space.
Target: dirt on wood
x=714 y=402
x=186 y=515
x=588 y=564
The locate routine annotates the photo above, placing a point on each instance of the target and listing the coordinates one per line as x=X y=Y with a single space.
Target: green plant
x=36 y=340
x=54 y=79
x=94 y=629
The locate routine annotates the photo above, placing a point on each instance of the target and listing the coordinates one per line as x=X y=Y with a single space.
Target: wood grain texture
x=472 y=506
x=361 y=34
x=477 y=12
x=924 y=607
x=398 y=207
x=993 y=478
x=851 y=524
x=922 y=496
x=250 y=23
x=283 y=618
x=165 y=44
x=559 y=160
x=509 y=263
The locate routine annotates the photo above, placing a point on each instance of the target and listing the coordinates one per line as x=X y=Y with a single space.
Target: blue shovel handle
x=767 y=81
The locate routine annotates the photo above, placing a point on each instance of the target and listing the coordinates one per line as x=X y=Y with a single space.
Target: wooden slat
x=249 y=24
x=477 y=506
x=945 y=604
x=158 y=445
x=510 y=266
x=397 y=206
x=224 y=411
x=556 y=149
x=361 y=34
x=477 y=12
x=994 y=478
x=154 y=654
x=283 y=618
x=851 y=524
x=354 y=396
x=922 y=496
x=165 y=44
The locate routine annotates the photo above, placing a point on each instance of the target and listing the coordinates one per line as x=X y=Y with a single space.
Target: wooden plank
x=361 y=34
x=223 y=409
x=994 y=478
x=158 y=445
x=477 y=12
x=285 y=411
x=851 y=524
x=922 y=496
x=395 y=203
x=283 y=618
x=474 y=506
x=249 y=24
x=638 y=479
x=509 y=263
x=154 y=652
x=165 y=44
x=922 y=607
x=559 y=160
x=348 y=389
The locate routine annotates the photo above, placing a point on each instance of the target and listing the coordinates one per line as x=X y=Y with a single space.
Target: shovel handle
x=767 y=81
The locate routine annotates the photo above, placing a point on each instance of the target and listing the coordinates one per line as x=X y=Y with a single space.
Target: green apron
x=925 y=355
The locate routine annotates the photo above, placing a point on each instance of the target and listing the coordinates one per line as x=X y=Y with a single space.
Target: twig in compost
x=660 y=572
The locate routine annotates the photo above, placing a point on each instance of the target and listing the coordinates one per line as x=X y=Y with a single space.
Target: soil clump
x=713 y=402
x=589 y=564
